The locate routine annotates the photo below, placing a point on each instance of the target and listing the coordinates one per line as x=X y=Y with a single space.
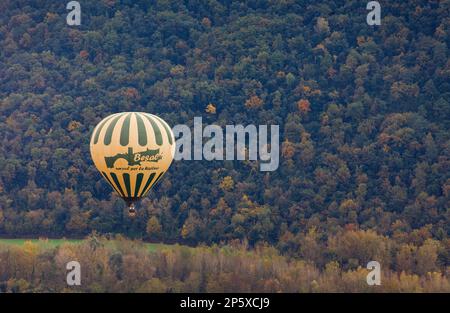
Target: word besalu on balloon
x=113 y=144
x=134 y=158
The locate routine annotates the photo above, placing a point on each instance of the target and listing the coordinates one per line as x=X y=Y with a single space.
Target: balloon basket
x=131 y=211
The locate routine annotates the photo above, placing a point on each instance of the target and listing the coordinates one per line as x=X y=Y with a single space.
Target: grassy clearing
x=53 y=243
x=44 y=243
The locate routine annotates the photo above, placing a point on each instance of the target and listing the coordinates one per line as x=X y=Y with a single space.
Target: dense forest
x=364 y=115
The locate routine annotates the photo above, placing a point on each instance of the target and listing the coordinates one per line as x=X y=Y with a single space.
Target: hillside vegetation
x=127 y=266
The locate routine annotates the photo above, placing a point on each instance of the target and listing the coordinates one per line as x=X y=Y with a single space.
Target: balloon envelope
x=132 y=151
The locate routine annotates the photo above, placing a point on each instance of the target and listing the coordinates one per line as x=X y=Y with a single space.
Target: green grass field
x=53 y=243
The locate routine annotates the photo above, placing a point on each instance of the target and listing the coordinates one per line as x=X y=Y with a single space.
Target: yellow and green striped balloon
x=132 y=151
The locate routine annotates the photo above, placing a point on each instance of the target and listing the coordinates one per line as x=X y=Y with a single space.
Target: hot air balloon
x=132 y=151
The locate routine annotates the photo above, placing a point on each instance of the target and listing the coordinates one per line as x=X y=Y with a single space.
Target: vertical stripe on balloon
x=154 y=183
x=142 y=131
x=158 y=136
x=125 y=131
x=159 y=177
x=147 y=184
x=110 y=182
x=168 y=132
x=110 y=129
x=99 y=129
x=139 y=178
x=116 y=181
x=126 y=179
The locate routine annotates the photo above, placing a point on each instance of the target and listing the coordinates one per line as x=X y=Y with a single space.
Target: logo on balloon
x=134 y=158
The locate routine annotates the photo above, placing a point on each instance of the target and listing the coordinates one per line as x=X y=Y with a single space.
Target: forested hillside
x=364 y=115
